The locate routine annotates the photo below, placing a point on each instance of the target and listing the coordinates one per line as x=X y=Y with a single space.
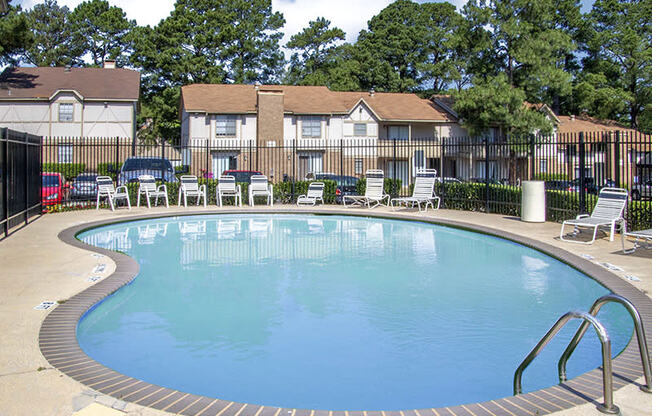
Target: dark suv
x=243 y=176
x=158 y=167
x=345 y=185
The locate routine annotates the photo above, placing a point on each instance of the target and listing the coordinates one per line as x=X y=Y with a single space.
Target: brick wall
x=270 y=117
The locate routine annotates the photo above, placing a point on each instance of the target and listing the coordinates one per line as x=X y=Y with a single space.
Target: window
x=311 y=127
x=225 y=126
x=65 y=112
x=360 y=129
x=398 y=132
x=543 y=166
x=64 y=152
x=419 y=161
x=358 y=166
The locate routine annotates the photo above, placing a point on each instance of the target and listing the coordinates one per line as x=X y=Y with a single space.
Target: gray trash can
x=533 y=201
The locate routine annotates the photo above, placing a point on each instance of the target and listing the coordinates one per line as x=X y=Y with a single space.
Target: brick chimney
x=109 y=64
x=270 y=116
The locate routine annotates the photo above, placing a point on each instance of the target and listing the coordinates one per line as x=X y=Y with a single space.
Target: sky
x=349 y=15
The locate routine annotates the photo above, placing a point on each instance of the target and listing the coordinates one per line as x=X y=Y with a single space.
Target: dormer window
x=66 y=112
x=311 y=127
x=225 y=126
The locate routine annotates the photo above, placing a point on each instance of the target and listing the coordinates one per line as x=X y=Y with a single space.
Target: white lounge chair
x=190 y=187
x=226 y=187
x=315 y=193
x=149 y=189
x=260 y=187
x=642 y=236
x=423 y=193
x=374 y=194
x=608 y=212
x=105 y=188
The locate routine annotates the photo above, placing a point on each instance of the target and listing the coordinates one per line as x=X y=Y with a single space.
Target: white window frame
x=228 y=124
x=311 y=127
x=358 y=165
x=64 y=153
x=66 y=116
x=543 y=166
x=363 y=126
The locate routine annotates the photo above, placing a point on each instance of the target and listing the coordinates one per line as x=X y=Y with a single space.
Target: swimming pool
x=335 y=312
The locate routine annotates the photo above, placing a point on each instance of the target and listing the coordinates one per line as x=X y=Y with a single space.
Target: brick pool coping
x=58 y=342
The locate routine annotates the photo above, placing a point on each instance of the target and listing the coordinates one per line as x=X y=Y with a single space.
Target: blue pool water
x=338 y=313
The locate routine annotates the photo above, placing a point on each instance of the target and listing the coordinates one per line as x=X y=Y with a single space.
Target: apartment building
x=310 y=129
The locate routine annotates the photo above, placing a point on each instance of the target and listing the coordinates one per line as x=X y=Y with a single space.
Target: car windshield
x=85 y=178
x=147 y=164
x=49 y=180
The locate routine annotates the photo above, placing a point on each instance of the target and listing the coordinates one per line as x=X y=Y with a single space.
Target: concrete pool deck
x=37 y=266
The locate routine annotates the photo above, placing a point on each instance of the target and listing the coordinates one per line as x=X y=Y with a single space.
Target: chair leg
x=613 y=231
x=167 y=203
x=111 y=203
x=97 y=205
x=138 y=201
x=128 y=201
x=179 y=198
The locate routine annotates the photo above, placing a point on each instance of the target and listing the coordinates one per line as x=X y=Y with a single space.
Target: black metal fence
x=476 y=173
x=20 y=179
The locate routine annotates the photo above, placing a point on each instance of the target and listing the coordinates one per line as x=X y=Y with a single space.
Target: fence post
x=394 y=162
x=5 y=179
x=532 y=158
x=617 y=158
x=25 y=139
x=250 y=153
x=117 y=155
x=294 y=165
x=486 y=174
x=582 y=164
x=162 y=159
x=442 y=155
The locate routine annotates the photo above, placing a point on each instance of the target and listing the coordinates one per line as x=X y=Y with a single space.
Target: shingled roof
x=241 y=99
x=41 y=83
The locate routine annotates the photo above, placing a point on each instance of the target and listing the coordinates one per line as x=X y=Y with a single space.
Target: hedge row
x=69 y=170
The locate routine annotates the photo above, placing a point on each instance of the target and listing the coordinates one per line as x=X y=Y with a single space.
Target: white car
x=642 y=190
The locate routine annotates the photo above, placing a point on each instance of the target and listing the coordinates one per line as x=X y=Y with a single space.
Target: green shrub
x=109 y=169
x=69 y=170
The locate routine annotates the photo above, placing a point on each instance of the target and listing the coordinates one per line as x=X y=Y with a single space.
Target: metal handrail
x=607 y=381
x=640 y=335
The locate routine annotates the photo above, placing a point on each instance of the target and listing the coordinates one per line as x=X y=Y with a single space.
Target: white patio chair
x=105 y=188
x=226 y=187
x=149 y=189
x=642 y=238
x=260 y=187
x=374 y=192
x=423 y=193
x=315 y=193
x=608 y=212
x=189 y=187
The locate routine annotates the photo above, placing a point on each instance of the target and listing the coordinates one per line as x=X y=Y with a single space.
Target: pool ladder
x=589 y=319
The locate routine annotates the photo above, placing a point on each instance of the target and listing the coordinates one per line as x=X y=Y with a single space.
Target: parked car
x=84 y=186
x=53 y=188
x=642 y=190
x=484 y=180
x=243 y=176
x=557 y=185
x=135 y=166
x=447 y=179
x=344 y=185
x=589 y=185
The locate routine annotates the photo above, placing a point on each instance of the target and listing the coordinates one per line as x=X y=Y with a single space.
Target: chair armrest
x=202 y=188
x=164 y=187
x=271 y=189
x=117 y=190
x=239 y=189
x=579 y=217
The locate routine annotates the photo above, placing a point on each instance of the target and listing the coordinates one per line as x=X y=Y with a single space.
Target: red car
x=53 y=188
